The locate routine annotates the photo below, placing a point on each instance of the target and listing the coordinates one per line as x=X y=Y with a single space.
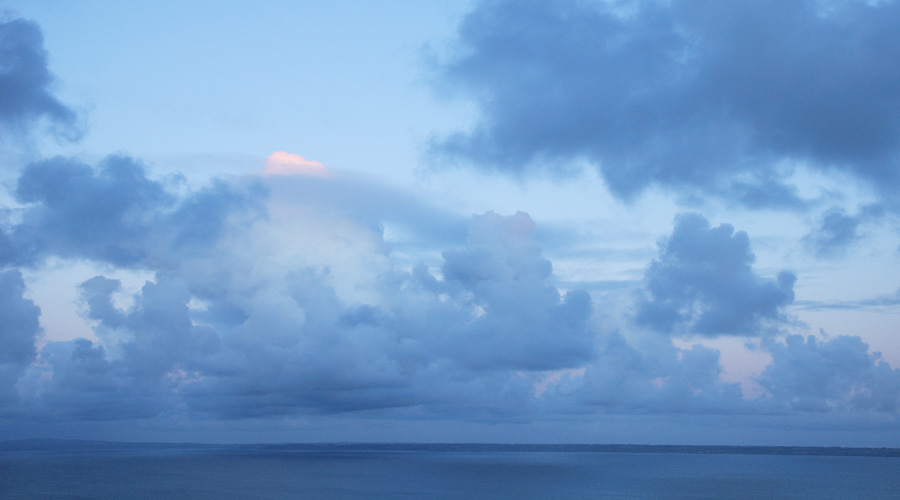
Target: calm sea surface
x=228 y=474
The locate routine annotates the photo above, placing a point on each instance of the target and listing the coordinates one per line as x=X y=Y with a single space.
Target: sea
x=85 y=470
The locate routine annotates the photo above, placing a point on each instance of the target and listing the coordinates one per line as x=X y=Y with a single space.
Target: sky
x=567 y=221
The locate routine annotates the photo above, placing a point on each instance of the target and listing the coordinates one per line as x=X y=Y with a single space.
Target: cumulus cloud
x=256 y=329
x=710 y=97
x=240 y=331
x=26 y=82
x=114 y=213
x=521 y=320
x=238 y=323
x=77 y=381
x=429 y=342
x=653 y=376
x=840 y=373
x=703 y=283
x=19 y=329
x=264 y=303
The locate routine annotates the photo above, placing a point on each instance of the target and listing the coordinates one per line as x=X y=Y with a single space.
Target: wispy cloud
x=879 y=302
x=283 y=163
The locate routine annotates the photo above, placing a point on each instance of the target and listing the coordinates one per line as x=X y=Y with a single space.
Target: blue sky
x=642 y=222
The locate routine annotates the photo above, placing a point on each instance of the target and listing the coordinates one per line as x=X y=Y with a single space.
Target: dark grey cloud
x=446 y=344
x=839 y=375
x=73 y=210
x=702 y=97
x=19 y=329
x=115 y=214
x=80 y=382
x=26 y=82
x=439 y=344
x=834 y=235
x=833 y=374
x=880 y=301
x=133 y=369
x=522 y=320
x=703 y=283
x=653 y=376
x=838 y=231
x=485 y=337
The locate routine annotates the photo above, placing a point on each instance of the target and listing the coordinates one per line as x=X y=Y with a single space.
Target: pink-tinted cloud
x=283 y=163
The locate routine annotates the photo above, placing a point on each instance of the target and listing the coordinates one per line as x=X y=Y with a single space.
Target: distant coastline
x=74 y=445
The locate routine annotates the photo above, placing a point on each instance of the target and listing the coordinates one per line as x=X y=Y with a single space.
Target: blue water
x=232 y=474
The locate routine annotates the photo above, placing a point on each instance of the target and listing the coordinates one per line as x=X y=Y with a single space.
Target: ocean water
x=209 y=473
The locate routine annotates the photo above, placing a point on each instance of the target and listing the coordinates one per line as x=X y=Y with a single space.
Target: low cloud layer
x=833 y=374
x=701 y=97
x=237 y=328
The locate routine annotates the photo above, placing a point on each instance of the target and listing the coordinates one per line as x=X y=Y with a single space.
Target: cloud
x=835 y=234
x=253 y=329
x=498 y=249
x=114 y=214
x=703 y=284
x=369 y=202
x=283 y=163
x=880 y=301
x=825 y=375
x=280 y=295
x=652 y=375
x=259 y=339
x=18 y=331
x=422 y=342
x=700 y=97
x=77 y=382
x=838 y=232
x=521 y=320
x=26 y=82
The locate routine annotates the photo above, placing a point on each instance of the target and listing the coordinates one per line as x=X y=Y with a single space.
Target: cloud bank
x=245 y=326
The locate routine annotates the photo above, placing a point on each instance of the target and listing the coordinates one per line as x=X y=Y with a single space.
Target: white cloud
x=283 y=163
